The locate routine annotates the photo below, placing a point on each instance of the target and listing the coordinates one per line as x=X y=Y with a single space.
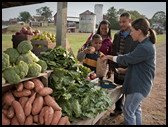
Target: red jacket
x=106 y=47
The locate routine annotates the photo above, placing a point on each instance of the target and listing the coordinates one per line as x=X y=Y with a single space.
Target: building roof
x=74 y=19
x=87 y=12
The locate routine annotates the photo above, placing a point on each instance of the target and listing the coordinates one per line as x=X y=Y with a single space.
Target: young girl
x=90 y=55
x=141 y=64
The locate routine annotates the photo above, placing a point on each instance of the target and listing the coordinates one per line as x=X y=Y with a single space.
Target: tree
x=113 y=18
x=135 y=15
x=120 y=11
x=45 y=11
x=159 y=17
x=24 y=16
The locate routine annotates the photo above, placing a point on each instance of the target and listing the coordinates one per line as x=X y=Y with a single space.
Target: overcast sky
x=75 y=8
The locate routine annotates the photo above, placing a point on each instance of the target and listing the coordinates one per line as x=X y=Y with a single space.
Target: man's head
x=125 y=21
x=96 y=41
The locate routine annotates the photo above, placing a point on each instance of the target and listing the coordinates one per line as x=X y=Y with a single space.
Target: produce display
x=26 y=33
x=30 y=103
x=70 y=95
x=20 y=63
x=78 y=97
x=49 y=37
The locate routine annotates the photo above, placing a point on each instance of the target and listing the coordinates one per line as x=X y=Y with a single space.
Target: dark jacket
x=129 y=45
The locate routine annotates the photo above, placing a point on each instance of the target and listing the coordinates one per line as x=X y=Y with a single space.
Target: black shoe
x=115 y=113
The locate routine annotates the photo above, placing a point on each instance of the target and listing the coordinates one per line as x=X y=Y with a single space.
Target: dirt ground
x=154 y=106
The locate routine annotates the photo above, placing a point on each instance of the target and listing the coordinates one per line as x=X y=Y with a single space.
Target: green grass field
x=76 y=40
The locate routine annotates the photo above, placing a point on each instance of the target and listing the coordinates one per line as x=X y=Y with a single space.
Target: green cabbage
x=13 y=54
x=5 y=61
x=11 y=76
x=43 y=64
x=22 y=69
x=34 y=70
x=24 y=47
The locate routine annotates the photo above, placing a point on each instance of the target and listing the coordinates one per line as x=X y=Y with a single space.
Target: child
x=89 y=55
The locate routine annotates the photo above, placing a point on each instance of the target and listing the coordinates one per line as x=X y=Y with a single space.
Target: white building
x=98 y=10
x=87 y=22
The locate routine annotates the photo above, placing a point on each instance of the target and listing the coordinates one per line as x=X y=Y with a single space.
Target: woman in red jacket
x=104 y=31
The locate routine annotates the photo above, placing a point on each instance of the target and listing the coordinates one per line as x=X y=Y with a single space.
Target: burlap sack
x=101 y=68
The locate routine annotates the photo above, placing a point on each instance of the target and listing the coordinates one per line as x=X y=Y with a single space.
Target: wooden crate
x=43 y=77
x=41 y=46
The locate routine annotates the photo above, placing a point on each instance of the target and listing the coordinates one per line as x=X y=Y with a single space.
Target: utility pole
x=61 y=24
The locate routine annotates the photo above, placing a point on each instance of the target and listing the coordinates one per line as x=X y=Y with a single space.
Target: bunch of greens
x=78 y=97
x=61 y=58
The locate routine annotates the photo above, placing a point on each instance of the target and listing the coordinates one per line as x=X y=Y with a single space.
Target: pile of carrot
x=30 y=103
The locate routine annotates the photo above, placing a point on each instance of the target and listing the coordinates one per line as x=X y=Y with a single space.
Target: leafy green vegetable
x=11 y=76
x=5 y=61
x=24 y=46
x=43 y=65
x=34 y=70
x=13 y=54
x=78 y=97
x=22 y=69
x=76 y=108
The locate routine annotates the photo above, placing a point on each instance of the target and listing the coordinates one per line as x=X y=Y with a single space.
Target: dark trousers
x=119 y=104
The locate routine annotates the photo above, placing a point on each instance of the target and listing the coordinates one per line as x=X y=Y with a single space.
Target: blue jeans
x=132 y=109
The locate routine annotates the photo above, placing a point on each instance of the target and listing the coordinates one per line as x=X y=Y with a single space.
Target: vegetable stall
x=66 y=87
x=49 y=86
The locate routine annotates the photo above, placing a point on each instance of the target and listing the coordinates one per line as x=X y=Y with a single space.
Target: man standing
x=122 y=44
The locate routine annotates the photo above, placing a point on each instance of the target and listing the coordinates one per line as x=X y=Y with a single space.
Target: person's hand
x=104 y=58
x=89 y=50
x=121 y=70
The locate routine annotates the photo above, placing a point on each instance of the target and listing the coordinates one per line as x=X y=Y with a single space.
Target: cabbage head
x=24 y=46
